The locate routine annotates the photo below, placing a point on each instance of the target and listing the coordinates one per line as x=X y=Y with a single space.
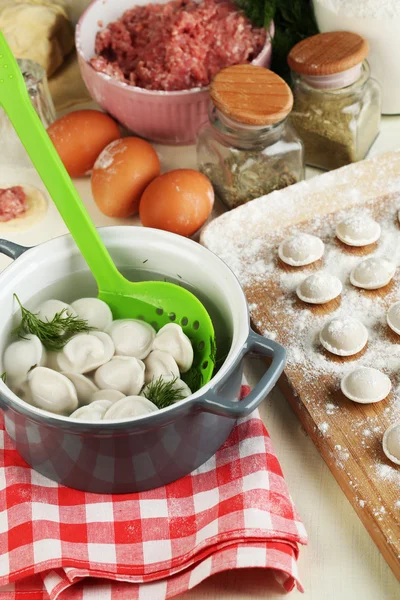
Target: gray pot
x=121 y=457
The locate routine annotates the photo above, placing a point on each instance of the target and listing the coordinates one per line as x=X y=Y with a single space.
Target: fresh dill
x=3 y=377
x=163 y=393
x=53 y=334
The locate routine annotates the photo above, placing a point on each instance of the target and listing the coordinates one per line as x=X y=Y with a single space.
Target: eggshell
x=80 y=136
x=121 y=174
x=179 y=201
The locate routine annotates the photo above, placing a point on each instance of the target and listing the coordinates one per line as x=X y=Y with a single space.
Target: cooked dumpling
x=96 y=312
x=132 y=337
x=129 y=408
x=85 y=352
x=122 y=373
x=160 y=363
x=110 y=395
x=92 y=412
x=52 y=391
x=85 y=388
x=172 y=340
x=21 y=356
x=48 y=310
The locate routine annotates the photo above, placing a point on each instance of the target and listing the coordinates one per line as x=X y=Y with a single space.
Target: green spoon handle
x=16 y=103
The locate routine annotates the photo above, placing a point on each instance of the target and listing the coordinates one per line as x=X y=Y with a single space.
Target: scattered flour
x=363 y=8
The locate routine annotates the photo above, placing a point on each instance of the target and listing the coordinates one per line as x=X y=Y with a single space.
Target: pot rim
x=163 y=414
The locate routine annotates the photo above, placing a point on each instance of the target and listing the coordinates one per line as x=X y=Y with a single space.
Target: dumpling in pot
x=129 y=408
x=85 y=352
x=96 y=312
x=92 y=412
x=21 y=356
x=172 y=340
x=132 y=337
x=122 y=373
x=52 y=391
x=160 y=363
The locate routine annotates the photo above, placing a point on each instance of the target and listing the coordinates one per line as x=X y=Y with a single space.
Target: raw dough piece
x=92 y=412
x=158 y=364
x=365 y=385
x=37 y=29
x=52 y=391
x=85 y=388
x=96 y=312
x=319 y=288
x=66 y=85
x=393 y=317
x=301 y=249
x=172 y=340
x=372 y=273
x=36 y=210
x=122 y=373
x=132 y=337
x=391 y=443
x=344 y=336
x=110 y=395
x=129 y=408
x=358 y=230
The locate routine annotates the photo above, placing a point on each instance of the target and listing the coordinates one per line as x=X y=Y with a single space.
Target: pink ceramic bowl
x=165 y=117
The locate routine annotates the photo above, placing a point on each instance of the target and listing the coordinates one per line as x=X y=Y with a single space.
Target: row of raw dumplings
x=101 y=374
x=348 y=336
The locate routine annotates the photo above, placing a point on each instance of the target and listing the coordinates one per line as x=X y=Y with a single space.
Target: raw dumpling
x=110 y=395
x=391 y=443
x=129 y=408
x=132 y=337
x=48 y=310
x=372 y=273
x=21 y=356
x=344 y=336
x=358 y=230
x=365 y=385
x=177 y=385
x=52 y=391
x=85 y=352
x=122 y=373
x=96 y=312
x=85 y=388
x=301 y=249
x=92 y=412
x=172 y=340
x=319 y=288
x=393 y=317
x=160 y=363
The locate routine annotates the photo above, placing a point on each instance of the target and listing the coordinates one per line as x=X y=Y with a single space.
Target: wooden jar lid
x=328 y=53
x=251 y=95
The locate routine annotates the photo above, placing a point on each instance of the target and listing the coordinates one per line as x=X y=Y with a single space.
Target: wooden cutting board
x=348 y=435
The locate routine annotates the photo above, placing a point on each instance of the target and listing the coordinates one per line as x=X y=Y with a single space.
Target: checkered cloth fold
x=232 y=512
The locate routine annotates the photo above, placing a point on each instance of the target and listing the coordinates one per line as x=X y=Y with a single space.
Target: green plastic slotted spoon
x=155 y=302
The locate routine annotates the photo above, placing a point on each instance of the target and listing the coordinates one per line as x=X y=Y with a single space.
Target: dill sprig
x=162 y=392
x=3 y=377
x=53 y=334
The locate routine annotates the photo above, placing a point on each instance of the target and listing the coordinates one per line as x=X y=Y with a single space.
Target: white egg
x=301 y=249
x=160 y=363
x=177 y=385
x=391 y=443
x=92 y=412
x=372 y=273
x=393 y=317
x=132 y=337
x=344 y=336
x=52 y=391
x=319 y=288
x=48 y=310
x=172 y=340
x=358 y=230
x=110 y=395
x=85 y=352
x=96 y=312
x=85 y=388
x=21 y=356
x=129 y=408
x=122 y=373
x=365 y=385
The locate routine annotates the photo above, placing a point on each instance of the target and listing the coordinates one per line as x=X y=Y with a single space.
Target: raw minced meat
x=12 y=203
x=176 y=46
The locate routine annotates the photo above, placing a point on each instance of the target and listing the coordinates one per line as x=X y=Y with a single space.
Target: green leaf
x=162 y=392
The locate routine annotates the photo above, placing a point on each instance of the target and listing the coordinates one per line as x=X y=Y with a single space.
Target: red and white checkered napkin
x=233 y=512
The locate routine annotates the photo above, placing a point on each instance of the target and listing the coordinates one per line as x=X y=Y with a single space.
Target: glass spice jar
x=337 y=105
x=248 y=148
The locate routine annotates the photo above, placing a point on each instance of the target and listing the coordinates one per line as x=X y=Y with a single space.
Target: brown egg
x=179 y=201
x=121 y=174
x=80 y=136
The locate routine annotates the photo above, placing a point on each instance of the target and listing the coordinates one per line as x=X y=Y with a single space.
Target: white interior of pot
x=56 y=269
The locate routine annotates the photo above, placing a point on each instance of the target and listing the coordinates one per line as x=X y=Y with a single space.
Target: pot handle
x=12 y=250
x=212 y=402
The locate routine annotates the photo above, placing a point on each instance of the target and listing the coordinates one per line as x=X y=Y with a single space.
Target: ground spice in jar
x=336 y=104
x=248 y=149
